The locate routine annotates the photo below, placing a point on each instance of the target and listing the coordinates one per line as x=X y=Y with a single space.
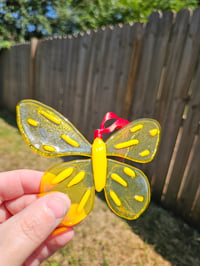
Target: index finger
x=16 y=183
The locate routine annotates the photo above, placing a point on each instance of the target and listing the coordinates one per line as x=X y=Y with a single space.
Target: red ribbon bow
x=119 y=123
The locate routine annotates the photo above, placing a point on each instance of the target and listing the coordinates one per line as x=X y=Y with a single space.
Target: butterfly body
x=99 y=163
x=126 y=188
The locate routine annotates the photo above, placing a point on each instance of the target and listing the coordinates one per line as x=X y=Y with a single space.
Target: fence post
x=1 y=73
x=34 y=43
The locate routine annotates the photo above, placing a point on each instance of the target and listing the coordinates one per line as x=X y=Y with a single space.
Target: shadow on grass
x=9 y=117
x=173 y=239
x=170 y=237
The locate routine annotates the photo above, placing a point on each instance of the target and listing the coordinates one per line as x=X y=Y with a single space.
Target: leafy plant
x=21 y=20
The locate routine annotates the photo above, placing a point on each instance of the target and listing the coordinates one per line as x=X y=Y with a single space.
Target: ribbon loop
x=119 y=123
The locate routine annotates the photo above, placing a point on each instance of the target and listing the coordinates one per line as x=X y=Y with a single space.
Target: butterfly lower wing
x=75 y=179
x=49 y=133
x=127 y=190
x=137 y=141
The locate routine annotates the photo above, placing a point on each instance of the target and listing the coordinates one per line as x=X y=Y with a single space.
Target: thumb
x=25 y=232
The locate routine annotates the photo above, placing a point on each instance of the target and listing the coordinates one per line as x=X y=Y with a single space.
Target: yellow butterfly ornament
x=126 y=188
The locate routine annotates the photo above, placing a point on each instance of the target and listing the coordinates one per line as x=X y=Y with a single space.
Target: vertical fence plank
x=34 y=43
x=66 y=108
x=81 y=77
x=63 y=77
x=2 y=65
x=90 y=85
x=191 y=185
x=137 y=33
x=4 y=77
x=50 y=68
x=41 y=60
x=74 y=66
x=58 y=72
x=121 y=67
x=195 y=213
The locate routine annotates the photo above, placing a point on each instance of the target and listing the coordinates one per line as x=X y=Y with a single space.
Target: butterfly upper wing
x=49 y=133
x=127 y=190
x=137 y=141
x=75 y=179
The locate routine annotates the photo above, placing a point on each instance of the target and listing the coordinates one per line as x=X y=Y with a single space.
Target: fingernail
x=59 y=205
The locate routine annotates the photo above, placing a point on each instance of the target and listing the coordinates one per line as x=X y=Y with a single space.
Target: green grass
x=156 y=238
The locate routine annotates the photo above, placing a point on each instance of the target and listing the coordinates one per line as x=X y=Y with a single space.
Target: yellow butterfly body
x=126 y=188
x=99 y=163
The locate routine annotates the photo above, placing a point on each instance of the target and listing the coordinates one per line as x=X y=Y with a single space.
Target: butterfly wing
x=74 y=179
x=49 y=133
x=127 y=190
x=137 y=141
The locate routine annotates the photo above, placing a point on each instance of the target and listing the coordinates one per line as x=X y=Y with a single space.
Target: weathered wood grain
x=171 y=102
x=186 y=76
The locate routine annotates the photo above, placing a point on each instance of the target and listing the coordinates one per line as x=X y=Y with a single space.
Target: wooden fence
x=140 y=70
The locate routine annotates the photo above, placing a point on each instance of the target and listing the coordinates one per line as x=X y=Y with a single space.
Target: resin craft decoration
x=126 y=188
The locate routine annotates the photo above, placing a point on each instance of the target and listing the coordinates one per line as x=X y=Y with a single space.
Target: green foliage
x=23 y=19
x=4 y=44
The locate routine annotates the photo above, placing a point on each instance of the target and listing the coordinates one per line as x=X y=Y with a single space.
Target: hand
x=27 y=222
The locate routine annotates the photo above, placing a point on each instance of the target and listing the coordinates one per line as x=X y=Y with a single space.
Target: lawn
x=156 y=238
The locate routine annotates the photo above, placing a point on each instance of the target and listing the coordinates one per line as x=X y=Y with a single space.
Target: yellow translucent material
x=115 y=198
x=128 y=171
x=77 y=179
x=70 y=141
x=119 y=179
x=126 y=201
x=143 y=134
x=127 y=144
x=126 y=188
x=50 y=117
x=99 y=163
x=154 y=132
x=139 y=198
x=32 y=122
x=136 y=128
x=49 y=133
x=62 y=175
x=145 y=153
x=76 y=185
